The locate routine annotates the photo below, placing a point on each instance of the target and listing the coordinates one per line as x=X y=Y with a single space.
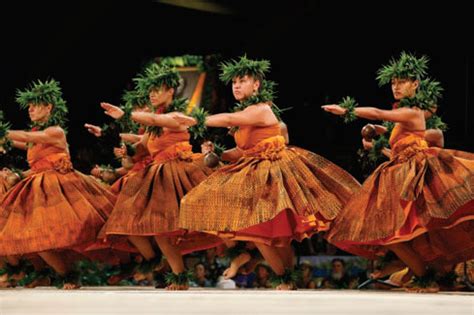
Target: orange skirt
x=421 y=200
x=3 y=188
x=138 y=166
x=50 y=210
x=269 y=198
x=148 y=203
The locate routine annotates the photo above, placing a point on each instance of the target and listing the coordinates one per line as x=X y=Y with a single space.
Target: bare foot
x=416 y=288
x=40 y=282
x=140 y=276
x=422 y=290
x=177 y=287
x=376 y=274
x=389 y=269
x=286 y=287
x=18 y=276
x=235 y=265
x=113 y=280
x=230 y=272
x=4 y=281
x=70 y=286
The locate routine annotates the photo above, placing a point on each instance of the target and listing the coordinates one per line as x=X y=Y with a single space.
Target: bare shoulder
x=259 y=107
x=409 y=110
x=55 y=131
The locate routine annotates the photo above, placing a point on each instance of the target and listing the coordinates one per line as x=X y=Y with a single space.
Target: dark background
x=320 y=51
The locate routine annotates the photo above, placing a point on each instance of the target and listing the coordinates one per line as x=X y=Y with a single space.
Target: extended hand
x=334 y=109
x=111 y=110
x=95 y=130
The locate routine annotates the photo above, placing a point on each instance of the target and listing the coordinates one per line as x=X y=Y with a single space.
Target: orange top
x=169 y=145
x=249 y=136
x=403 y=141
x=42 y=157
x=260 y=142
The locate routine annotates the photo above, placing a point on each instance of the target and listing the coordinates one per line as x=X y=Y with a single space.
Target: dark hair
x=166 y=87
x=258 y=78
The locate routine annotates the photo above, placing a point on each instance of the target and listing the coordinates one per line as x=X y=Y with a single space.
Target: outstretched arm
x=251 y=116
x=151 y=119
x=51 y=135
x=408 y=116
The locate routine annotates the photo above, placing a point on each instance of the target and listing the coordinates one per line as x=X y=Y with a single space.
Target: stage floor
x=146 y=300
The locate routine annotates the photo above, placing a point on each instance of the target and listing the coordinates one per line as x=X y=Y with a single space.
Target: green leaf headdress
x=156 y=76
x=44 y=93
x=242 y=67
x=183 y=61
x=408 y=66
x=135 y=98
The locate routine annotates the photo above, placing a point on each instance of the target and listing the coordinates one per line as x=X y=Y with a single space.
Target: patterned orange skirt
x=52 y=210
x=272 y=195
x=138 y=166
x=425 y=199
x=148 y=203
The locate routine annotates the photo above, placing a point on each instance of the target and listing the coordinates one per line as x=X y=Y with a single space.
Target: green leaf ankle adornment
x=288 y=277
x=179 y=279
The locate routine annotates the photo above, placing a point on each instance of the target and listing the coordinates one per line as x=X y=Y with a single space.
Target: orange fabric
x=180 y=150
x=420 y=191
x=267 y=149
x=398 y=133
x=55 y=207
x=271 y=192
x=3 y=187
x=137 y=166
x=43 y=157
x=247 y=137
x=148 y=203
x=279 y=231
x=156 y=144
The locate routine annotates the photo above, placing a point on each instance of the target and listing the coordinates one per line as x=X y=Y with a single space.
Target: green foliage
x=242 y=67
x=44 y=93
x=349 y=104
x=408 y=66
